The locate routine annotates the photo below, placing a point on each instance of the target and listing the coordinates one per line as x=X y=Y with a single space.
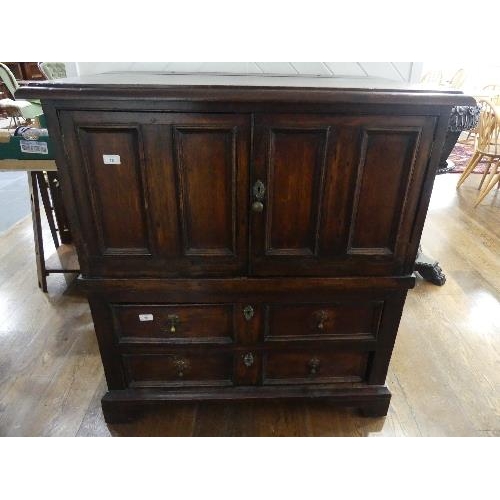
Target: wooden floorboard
x=444 y=374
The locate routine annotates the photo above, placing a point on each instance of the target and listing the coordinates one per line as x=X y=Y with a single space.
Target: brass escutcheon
x=259 y=190
x=248 y=312
x=248 y=359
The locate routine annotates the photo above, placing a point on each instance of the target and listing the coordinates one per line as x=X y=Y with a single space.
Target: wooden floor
x=444 y=374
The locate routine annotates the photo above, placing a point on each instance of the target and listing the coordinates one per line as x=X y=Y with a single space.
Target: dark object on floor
x=429 y=269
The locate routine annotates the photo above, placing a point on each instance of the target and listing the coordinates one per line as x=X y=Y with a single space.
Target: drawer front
x=314 y=366
x=340 y=320
x=175 y=323
x=179 y=369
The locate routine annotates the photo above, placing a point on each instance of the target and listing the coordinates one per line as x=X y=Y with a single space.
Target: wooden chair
x=458 y=79
x=487 y=145
x=493 y=92
x=52 y=70
x=492 y=88
x=494 y=178
x=16 y=109
x=434 y=76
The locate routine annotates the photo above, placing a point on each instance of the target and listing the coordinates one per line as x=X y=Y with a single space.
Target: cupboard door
x=160 y=194
x=337 y=194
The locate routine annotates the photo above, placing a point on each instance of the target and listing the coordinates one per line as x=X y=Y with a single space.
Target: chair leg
x=486 y=172
x=492 y=180
x=476 y=158
x=37 y=232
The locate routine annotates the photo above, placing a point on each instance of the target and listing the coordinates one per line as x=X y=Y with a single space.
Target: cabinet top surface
x=237 y=88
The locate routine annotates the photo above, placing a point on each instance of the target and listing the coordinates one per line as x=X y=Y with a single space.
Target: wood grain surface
x=443 y=375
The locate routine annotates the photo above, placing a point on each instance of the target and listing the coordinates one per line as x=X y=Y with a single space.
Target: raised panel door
x=160 y=194
x=337 y=194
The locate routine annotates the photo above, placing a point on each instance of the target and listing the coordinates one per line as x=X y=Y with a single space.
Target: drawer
x=174 y=323
x=179 y=369
x=314 y=366
x=338 y=320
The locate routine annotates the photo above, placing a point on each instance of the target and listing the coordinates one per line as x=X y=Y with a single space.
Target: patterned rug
x=461 y=154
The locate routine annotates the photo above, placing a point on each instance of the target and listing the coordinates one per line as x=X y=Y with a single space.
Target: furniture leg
x=376 y=409
x=44 y=193
x=486 y=172
x=492 y=180
x=58 y=206
x=429 y=269
x=37 y=231
x=476 y=158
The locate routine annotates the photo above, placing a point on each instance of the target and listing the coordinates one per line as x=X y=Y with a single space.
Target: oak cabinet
x=244 y=241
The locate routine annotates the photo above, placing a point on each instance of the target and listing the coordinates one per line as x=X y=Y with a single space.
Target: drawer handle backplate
x=181 y=365
x=321 y=317
x=174 y=321
x=313 y=366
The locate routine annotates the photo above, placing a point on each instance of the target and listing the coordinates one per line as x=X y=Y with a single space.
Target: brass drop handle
x=181 y=365
x=321 y=317
x=258 y=190
x=173 y=320
x=313 y=366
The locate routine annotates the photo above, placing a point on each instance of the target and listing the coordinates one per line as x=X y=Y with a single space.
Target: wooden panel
x=295 y=177
x=386 y=163
x=17 y=69
x=358 y=320
x=206 y=170
x=116 y=190
x=359 y=201
x=294 y=155
x=174 y=323
x=192 y=175
x=314 y=366
x=162 y=191
x=32 y=72
x=179 y=369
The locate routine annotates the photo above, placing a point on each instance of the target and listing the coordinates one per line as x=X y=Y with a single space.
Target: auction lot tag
x=111 y=159
x=34 y=147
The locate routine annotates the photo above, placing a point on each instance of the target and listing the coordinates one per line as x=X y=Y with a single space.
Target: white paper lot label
x=145 y=317
x=111 y=159
x=34 y=147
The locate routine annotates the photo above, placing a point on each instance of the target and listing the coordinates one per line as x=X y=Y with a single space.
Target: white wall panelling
x=396 y=71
